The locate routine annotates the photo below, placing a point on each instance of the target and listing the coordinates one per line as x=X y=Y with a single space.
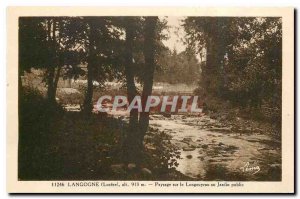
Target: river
x=210 y=150
x=213 y=151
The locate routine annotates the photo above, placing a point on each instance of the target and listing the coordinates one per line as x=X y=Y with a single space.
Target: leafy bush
x=164 y=153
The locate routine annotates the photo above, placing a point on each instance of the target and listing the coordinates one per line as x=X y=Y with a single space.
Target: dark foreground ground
x=61 y=145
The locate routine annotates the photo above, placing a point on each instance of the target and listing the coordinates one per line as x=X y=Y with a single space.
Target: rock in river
x=146 y=171
x=188 y=148
x=221 y=143
x=187 y=140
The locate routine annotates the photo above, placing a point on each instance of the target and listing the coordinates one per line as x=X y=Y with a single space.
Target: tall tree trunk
x=130 y=142
x=51 y=68
x=211 y=72
x=59 y=64
x=53 y=78
x=51 y=90
x=57 y=78
x=149 y=53
x=88 y=106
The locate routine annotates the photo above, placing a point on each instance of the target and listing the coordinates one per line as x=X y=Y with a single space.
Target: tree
x=151 y=36
x=142 y=43
x=131 y=27
x=102 y=54
x=255 y=63
x=51 y=48
x=32 y=35
x=214 y=34
x=243 y=58
x=91 y=64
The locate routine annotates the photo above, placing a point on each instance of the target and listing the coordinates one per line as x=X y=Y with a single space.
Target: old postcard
x=150 y=100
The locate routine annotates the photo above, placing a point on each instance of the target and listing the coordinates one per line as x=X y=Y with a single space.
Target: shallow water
x=217 y=153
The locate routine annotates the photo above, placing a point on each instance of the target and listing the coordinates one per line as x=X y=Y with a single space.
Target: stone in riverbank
x=131 y=166
x=117 y=168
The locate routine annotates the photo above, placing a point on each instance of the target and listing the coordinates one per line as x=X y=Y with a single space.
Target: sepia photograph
x=150 y=98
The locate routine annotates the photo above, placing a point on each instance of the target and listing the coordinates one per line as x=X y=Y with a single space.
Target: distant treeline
x=176 y=67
